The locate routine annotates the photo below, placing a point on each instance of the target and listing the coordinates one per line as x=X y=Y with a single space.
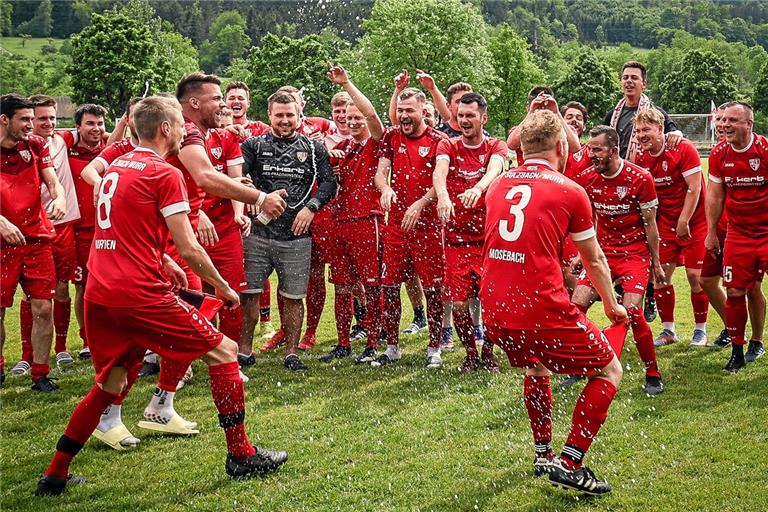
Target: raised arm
x=401 y=82
x=339 y=76
x=441 y=105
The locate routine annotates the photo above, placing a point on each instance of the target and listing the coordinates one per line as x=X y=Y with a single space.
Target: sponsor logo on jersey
x=754 y=163
x=301 y=156
x=621 y=192
x=481 y=158
x=26 y=155
x=423 y=151
x=402 y=150
x=578 y=156
x=216 y=153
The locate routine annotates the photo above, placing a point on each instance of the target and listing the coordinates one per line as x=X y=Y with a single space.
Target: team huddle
x=171 y=226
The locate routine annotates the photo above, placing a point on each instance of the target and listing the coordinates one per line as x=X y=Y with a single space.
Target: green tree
x=760 y=95
x=590 y=82
x=446 y=38
x=6 y=23
x=231 y=42
x=226 y=19
x=41 y=23
x=301 y=62
x=701 y=77
x=514 y=65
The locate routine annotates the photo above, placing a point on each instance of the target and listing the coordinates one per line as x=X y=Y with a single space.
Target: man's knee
x=225 y=352
x=42 y=308
x=613 y=372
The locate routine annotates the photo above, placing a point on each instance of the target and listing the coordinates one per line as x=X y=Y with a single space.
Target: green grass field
x=407 y=438
x=30 y=48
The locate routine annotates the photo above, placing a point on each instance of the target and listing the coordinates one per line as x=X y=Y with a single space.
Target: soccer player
x=142 y=200
x=625 y=202
x=682 y=225
x=63 y=246
x=238 y=100
x=738 y=186
x=526 y=307
x=340 y=130
x=26 y=255
x=413 y=238
x=278 y=161
x=358 y=220
x=465 y=167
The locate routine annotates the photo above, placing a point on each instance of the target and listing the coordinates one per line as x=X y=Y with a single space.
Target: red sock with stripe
x=641 y=331
x=62 y=312
x=229 y=396
x=700 y=303
x=736 y=318
x=343 y=311
x=665 y=302
x=589 y=415
x=537 y=396
x=373 y=314
x=25 y=326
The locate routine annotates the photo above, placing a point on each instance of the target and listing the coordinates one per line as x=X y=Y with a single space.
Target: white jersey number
x=106 y=191
x=516 y=210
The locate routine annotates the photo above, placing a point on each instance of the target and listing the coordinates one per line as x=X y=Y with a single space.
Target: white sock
x=110 y=418
x=670 y=326
x=160 y=408
x=393 y=351
x=701 y=326
x=150 y=357
x=432 y=351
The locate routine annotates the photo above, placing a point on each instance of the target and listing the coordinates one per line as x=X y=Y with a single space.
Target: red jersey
x=194 y=137
x=617 y=202
x=311 y=125
x=466 y=167
x=79 y=158
x=577 y=162
x=745 y=176
x=114 y=150
x=413 y=161
x=137 y=192
x=669 y=169
x=531 y=210
x=20 y=178
x=223 y=150
x=357 y=196
x=253 y=129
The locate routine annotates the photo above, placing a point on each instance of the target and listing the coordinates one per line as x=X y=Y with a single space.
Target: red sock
x=25 y=326
x=700 y=303
x=616 y=335
x=83 y=337
x=39 y=370
x=171 y=372
x=538 y=400
x=265 y=301
x=231 y=322
x=466 y=332
x=2 y=364
x=588 y=416
x=373 y=320
x=315 y=299
x=641 y=331
x=665 y=302
x=435 y=309
x=343 y=310
x=736 y=318
x=229 y=396
x=392 y=312
x=62 y=311
x=81 y=425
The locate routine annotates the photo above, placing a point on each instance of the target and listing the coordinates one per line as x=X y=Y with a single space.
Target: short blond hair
x=412 y=92
x=649 y=115
x=151 y=112
x=340 y=98
x=540 y=131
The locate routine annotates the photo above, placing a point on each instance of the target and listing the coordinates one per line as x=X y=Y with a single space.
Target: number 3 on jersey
x=106 y=191
x=516 y=210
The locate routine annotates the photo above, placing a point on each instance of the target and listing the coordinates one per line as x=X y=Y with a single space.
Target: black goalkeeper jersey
x=293 y=164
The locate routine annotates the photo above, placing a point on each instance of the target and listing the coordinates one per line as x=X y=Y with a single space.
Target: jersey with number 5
x=137 y=192
x=531 y=210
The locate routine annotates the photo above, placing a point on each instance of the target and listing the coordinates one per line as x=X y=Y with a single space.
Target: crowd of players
x=187 y=195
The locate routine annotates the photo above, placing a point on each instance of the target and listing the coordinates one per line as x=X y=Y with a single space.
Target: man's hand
x=237 y=129
x=336 y=153
x=206 y=231
x=683 y=230
x=673 y=139
x=302 y=221
x=444 y=207
x=96 y=190
x=244 y=222
x=57 y=208
x=228 y=295
x=616 y=314
x=575 y=267
x=543 y=102
x=425 y=80
x=388 y=197
x=712 y=243
x=402 y=80
x=658 y=273
x=316 y=136
x=274 y=204
x=412 y=215
x=176 y=276
x=338 y=75
x=470 y=197
x=10 y=233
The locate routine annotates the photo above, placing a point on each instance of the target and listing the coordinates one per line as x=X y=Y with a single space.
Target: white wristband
x=262 y=198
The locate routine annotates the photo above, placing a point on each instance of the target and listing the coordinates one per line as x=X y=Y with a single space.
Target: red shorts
x=32 y=266
x=356 y=252
x=691 y=252
x=322 y=242
x=745 y=260
x=171 y=328
x=578 y=350
x=83 y=241
x=64 y=252
x=193 y=280
x=633 y=271
x=409 y=253
x=227 y=257
x=463 y=268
